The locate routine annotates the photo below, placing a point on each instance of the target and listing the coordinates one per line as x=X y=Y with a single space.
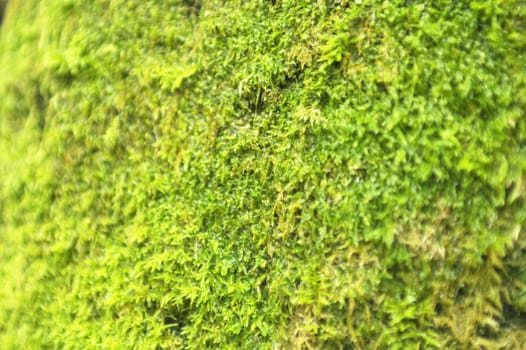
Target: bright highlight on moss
x=263 y=174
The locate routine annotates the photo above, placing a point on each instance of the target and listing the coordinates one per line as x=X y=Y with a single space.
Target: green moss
x=263 y=174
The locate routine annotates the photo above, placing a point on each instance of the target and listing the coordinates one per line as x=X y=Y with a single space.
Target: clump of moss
x=263 y=174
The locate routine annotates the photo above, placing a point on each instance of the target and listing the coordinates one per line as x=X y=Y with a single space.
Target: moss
x=263 y=174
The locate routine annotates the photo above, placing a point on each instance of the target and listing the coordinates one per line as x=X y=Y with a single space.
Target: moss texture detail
x=202 y=174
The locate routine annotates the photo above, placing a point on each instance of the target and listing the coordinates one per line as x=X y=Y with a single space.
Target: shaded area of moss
x=263 y=174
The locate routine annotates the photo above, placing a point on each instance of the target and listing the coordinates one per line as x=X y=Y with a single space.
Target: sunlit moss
x=263 y=174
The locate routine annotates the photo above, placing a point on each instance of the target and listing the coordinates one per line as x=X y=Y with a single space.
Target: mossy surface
x=263 y=174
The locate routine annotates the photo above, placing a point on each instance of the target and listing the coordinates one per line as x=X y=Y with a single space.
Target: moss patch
x=263 y=174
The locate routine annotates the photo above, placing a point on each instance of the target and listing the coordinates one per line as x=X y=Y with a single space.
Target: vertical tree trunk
x=3 y=4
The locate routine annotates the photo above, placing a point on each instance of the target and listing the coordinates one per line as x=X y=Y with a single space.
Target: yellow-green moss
x=263 y=174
